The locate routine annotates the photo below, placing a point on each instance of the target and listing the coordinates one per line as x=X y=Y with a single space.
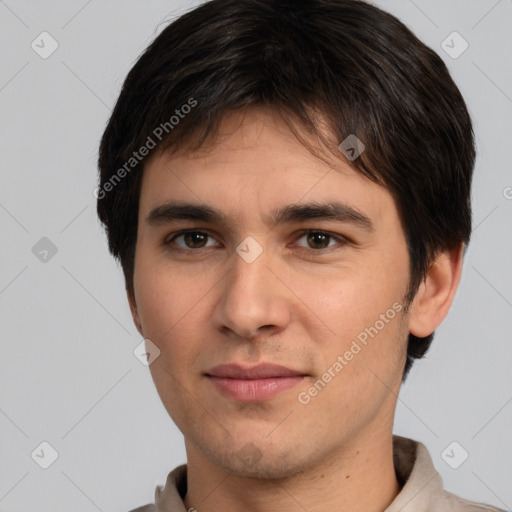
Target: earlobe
x=436 y=293
x=134 y=311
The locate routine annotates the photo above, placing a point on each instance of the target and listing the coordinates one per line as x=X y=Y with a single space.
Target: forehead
x=255 y=162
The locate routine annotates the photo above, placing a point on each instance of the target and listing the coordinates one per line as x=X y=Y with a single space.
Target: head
x=242 y=105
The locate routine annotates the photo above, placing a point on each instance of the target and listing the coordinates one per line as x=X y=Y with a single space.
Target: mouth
x=254 y=384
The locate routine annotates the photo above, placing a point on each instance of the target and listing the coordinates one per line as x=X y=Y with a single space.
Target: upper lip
x=260 y=371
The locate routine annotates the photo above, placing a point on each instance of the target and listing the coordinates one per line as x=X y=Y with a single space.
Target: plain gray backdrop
x=68 y=376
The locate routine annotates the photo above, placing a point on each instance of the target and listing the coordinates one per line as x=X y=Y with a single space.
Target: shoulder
x=170 y=497
x=455 y=503
x=422 y=486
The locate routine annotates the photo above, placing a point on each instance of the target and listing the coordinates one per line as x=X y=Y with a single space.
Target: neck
x=359 y=478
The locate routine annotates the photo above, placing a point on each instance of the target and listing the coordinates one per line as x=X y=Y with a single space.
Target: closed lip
x=260 y=371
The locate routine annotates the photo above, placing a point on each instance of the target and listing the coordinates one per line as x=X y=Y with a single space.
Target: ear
x=134 y=311
x=436 y=293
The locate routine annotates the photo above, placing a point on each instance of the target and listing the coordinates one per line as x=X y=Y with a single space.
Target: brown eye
x=192 y=240
x=195 y=240
x=318 y=240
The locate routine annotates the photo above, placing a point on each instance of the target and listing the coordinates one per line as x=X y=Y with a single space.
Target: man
x=286 y=184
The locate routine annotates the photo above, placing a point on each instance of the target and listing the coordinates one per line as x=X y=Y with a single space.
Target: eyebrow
x=299 y=212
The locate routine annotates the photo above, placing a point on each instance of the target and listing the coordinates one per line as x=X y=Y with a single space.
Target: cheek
x=172 y=309
x=166 y=298
x=360 y=372
x=354 y=300
x=364 y=312
x=169 y=306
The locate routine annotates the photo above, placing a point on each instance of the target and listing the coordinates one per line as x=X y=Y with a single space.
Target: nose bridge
x=253 y=264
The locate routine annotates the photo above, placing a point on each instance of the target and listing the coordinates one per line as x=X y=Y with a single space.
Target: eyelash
x=342 y=241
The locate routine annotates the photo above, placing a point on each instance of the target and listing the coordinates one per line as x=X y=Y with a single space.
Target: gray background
x=68 y=375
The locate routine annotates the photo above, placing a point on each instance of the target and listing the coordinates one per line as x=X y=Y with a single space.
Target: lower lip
x=254 y=389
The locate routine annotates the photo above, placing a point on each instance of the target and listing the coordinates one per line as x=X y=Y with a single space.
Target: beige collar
x=422 y=486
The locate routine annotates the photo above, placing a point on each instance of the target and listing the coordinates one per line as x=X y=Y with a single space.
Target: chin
x=263 y=463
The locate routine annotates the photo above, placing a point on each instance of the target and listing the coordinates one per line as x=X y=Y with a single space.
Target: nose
x=252 y=299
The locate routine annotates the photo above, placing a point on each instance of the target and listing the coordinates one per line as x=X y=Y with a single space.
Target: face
x=269 y=273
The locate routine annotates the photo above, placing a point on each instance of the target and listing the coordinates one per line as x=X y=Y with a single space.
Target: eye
x=191 y=240
x=318 y=240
